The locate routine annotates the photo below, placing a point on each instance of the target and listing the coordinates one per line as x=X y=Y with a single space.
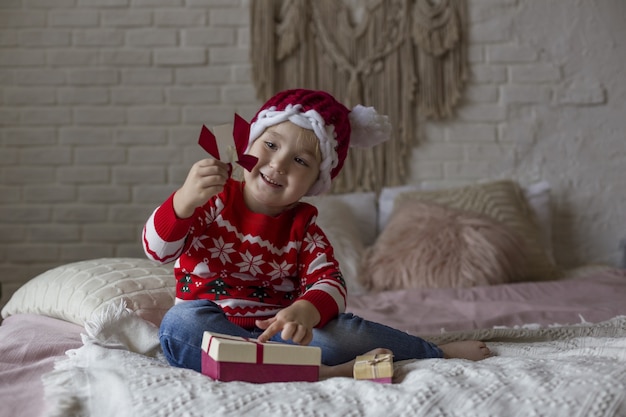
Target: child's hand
x=205 y=179
x=295 y=323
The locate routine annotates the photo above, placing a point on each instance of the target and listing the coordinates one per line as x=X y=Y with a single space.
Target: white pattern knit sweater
x=251 y=264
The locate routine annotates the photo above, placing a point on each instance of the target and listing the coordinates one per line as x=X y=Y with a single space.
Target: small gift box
x=230 y=358
x=377 y=368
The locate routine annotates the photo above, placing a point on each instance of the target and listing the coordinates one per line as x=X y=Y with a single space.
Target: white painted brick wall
x=101 y=102
x=556 y=113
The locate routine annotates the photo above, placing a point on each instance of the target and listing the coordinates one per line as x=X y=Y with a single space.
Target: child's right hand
x=205 y=179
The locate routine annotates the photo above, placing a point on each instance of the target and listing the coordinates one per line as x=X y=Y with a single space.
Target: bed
x=80 y=339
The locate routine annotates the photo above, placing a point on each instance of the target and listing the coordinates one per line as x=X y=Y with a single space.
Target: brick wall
x=102 y=100
x=545 y=101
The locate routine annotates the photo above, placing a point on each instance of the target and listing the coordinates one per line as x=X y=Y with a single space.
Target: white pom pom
x=368 y=127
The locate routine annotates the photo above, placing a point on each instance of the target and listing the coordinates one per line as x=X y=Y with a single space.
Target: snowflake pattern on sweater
x=251 y=264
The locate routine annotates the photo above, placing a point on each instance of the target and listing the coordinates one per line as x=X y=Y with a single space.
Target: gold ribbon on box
x=373 y=366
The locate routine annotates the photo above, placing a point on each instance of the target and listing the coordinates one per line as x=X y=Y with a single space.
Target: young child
x=251 y=260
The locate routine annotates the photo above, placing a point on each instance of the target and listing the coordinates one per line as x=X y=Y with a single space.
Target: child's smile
x=269 y=180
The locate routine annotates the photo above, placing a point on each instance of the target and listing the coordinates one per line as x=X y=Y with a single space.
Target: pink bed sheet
x=29 y=345
x=593 y=298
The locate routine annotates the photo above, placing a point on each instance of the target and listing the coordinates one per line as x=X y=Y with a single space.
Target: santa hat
x=335 y=126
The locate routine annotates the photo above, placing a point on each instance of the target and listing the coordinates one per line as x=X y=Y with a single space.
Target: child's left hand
x=295 y=323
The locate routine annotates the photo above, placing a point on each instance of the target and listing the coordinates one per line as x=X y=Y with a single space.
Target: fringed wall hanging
x=407 y=58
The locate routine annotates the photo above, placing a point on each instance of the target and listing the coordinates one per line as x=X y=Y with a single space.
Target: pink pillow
x=426 y=245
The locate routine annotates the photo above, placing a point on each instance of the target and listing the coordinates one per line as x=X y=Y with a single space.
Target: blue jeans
x=341 y=340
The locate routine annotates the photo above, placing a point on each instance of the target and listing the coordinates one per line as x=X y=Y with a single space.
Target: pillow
x=427 y=245
x=75 y=291
x=339 y=223
x=362 y=207
x=537 y=196
x=385 y=202
x=504 y=202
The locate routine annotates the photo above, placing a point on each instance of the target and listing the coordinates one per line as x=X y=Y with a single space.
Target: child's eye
x=301 y=161
x=270 y=145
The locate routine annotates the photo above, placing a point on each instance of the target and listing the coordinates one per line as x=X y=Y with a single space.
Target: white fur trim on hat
x=310 y=120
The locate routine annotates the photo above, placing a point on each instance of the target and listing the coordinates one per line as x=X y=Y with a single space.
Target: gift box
x=377 y=368
x=231 y=358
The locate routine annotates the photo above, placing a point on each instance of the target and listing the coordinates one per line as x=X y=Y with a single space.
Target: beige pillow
x=75 y=291
x=504 y=202
x=426 y=245
x=339 y=223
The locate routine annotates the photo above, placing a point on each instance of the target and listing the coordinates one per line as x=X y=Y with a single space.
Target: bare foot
x=473 y=350
x=346 y=369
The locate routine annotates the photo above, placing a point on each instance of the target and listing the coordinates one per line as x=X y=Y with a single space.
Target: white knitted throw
x=560 y=371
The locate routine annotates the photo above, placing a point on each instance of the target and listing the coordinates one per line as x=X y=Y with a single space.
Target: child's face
x=288 y=166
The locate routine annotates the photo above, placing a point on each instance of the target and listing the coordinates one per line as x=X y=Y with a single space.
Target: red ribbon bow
x=259 y=345
x=241 y=133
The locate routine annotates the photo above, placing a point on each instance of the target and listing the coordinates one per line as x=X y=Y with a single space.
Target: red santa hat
x=335 y=126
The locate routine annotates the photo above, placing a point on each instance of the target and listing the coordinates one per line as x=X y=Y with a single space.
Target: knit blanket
x=568 y=371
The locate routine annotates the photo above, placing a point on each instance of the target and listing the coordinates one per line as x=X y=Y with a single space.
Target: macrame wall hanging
x=407 y=58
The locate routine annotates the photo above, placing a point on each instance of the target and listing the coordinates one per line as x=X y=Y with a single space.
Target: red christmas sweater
x=251 y=264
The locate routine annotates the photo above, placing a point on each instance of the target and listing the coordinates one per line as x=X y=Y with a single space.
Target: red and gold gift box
x=376 y=368
x=231 y=358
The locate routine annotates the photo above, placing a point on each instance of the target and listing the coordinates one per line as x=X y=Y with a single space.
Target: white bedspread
x=560 y=371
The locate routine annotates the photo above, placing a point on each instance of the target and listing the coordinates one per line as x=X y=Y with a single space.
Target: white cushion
x=349 y=221
x=75 y=291
x=385 y=203
x=539 y=200
x=362 y=207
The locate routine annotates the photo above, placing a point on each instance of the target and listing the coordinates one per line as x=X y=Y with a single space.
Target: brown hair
x=307 y=137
